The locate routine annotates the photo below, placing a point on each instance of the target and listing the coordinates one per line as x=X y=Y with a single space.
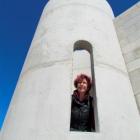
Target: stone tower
x=128 y=31
x=40 y=108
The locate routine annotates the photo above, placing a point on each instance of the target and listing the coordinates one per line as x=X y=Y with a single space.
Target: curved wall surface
x=40 y=108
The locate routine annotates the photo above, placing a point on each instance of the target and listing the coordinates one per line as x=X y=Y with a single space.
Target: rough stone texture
x=128 y=31
x=40 y=108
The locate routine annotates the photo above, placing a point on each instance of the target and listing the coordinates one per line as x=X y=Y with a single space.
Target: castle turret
x=41 y=105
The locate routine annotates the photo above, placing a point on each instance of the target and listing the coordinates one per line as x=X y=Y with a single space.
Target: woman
x=82 y=118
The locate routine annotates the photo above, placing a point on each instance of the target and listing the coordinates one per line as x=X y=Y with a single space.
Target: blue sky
x=18 y=22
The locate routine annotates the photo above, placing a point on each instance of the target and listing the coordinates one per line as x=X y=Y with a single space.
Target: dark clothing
x=82 y=118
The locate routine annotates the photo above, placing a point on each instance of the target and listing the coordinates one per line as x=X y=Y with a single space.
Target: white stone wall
x=128 y=30
x=40 y=108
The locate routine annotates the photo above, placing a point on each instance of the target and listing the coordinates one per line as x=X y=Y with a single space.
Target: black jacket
x=82 y=114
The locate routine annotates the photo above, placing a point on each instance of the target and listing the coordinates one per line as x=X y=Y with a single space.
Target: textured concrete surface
x=128 y=31
x=40 y=108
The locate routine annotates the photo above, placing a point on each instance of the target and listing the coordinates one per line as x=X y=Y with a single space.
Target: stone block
x=137 y=96
x=129 y=57
x=133 y=65
x=132 y=56
x=130 y=46
x=135 y=80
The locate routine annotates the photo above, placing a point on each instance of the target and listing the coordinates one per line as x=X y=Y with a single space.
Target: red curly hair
x=80 y=77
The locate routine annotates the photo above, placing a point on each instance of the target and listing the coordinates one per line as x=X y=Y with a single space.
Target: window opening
x=83 y=102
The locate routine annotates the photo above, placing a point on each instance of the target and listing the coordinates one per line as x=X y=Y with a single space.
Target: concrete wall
x=40 y=107
x=128 y=31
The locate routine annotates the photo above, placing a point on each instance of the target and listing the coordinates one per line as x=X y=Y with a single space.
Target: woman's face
x=82 y=86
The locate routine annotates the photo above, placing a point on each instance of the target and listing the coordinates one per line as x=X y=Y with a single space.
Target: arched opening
x=83 y=107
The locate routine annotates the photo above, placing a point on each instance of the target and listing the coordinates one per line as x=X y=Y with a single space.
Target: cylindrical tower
x=40 y=107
